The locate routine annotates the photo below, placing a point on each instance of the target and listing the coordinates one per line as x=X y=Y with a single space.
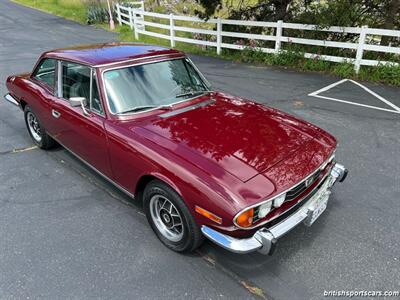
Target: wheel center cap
x=167 y=218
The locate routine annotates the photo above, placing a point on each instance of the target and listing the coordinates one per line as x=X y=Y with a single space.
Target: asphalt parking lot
x=66 y=233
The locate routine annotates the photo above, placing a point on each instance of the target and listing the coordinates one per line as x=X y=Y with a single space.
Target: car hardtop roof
x=108 y=53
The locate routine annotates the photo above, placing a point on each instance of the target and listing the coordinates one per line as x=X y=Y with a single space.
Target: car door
x=80 y=130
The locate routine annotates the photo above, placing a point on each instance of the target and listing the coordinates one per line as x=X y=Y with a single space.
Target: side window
x=75 y=81
x=79 y=81
x=45 y=72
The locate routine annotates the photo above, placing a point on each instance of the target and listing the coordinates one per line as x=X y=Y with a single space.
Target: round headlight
x=279 y=200
x=264 y=209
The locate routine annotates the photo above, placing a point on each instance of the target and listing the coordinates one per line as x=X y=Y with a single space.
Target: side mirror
x=79 y=101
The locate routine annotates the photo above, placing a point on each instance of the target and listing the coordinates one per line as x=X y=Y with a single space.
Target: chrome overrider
x=264 y=240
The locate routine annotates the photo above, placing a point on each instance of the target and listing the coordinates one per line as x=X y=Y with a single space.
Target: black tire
x=45 y=142
x=192 y=237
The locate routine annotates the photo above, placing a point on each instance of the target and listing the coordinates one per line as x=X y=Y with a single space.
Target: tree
x=210 y=7
x=349 y=13
x=391 y=19
x=262 y=10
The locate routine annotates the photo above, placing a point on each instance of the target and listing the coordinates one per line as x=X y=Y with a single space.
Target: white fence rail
x=126 y=15
x=135 y=18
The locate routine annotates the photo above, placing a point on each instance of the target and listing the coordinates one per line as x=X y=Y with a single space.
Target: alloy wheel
x=167 y=218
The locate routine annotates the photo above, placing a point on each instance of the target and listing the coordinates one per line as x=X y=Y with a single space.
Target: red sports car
x=202 y=162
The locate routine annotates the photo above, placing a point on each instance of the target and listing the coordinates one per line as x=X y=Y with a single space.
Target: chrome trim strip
x=207 y=83
x=11 y=99
x=139 y=64
x=59 y=79
x=185 y=109
x=97 y=171
x=272 y=198
x=135 y=59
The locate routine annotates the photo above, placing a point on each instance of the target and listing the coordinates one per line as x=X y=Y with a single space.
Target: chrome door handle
x=55 y=113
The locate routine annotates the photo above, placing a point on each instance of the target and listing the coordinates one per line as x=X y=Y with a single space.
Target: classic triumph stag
x=203 y=163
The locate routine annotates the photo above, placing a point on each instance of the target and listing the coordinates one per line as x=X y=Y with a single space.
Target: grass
x=293 y=58
x=74 y=10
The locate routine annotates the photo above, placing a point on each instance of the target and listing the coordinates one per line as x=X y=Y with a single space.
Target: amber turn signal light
x=245 y=219
x=208 y=214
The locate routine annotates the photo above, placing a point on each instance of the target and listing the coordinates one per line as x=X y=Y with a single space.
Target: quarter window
x=45 y=72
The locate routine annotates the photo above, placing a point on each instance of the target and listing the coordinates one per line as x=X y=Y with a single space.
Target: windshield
x=147 y=86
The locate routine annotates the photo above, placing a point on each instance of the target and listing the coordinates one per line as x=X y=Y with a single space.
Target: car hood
x=241 y=137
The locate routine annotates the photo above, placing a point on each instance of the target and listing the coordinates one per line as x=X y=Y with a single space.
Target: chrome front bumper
x=11 y=99
x=264 y=240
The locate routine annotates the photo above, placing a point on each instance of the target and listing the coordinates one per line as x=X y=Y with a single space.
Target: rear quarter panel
x=26 y=91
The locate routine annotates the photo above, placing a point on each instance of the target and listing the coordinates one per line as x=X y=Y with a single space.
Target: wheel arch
x=145 y=179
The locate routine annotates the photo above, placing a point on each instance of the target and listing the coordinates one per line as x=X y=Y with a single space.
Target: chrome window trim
x=331 y=157
x=93 y=76
x=207 y=83
x=139 y=64
x=134 y=59
x=90 y=88
x=41 y=82
x=59 y=84
x=59 y=77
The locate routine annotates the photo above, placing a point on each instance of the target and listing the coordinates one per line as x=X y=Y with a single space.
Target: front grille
x=297 y=206
x=294 y=192
x=302 y=186
x=255 y=216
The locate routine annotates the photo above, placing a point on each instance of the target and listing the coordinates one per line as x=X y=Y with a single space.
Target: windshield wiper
x=139 y=108
x=191 y=93
x=163 y=106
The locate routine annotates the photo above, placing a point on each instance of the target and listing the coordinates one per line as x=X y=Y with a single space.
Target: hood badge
x=308 y=182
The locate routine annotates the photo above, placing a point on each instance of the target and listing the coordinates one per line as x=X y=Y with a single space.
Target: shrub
x=290 y=57
x=381 y=73
x=315 y=64
x=344 y=70
x=96 y=14
x=251 y=55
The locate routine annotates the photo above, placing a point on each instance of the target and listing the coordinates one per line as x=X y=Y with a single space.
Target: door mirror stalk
x=79 y=101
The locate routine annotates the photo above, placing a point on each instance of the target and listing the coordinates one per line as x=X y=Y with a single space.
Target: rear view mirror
x=79 y=101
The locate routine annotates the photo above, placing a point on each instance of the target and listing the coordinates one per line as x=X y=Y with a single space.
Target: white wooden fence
x=366 y=36
x=127 y=16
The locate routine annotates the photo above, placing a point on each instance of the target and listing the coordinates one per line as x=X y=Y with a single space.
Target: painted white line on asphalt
x=358 y=104
x=395 y=109
x=376 y=95
x=324 y=89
